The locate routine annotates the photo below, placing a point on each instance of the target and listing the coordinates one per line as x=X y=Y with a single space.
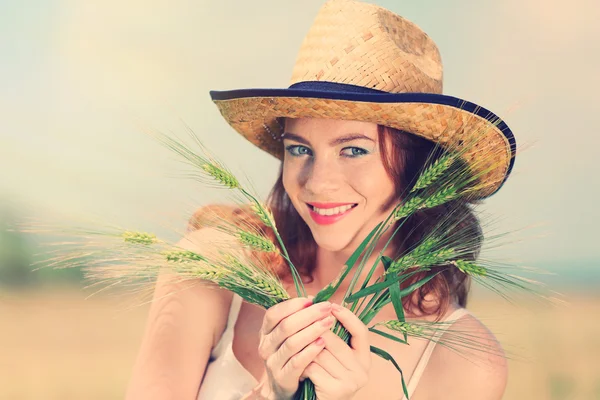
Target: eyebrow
x=334 y=142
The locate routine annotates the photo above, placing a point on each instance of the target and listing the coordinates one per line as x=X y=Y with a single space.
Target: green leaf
x=368 y=314
x=389 y=336
x=377 y=287
x=387 y=262
x=396 y=296
x=306 y=391
x=328 y=291
x=386 y=356
x=416 y=285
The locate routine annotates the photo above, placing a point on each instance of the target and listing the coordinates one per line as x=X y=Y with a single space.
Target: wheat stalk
x=139 y=237
x=248 y=279
x=256 y=242
x=221 y=175
x=182 y=256
x=265 y=215
x=470 y=268
x=434 y=172
x=459 y=339
x=410 y=329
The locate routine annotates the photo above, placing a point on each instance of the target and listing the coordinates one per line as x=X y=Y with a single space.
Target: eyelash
x=292 y=147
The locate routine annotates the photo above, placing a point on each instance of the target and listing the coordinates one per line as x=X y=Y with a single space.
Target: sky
x=79 y=81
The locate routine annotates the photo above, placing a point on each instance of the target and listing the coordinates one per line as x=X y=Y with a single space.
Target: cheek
x=371 y=180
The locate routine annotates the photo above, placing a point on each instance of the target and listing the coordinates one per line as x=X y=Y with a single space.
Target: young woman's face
x=329 y=162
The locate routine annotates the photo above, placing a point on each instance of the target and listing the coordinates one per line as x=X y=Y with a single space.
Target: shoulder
x=208 y=299
x=471 y=366
x=206 y=236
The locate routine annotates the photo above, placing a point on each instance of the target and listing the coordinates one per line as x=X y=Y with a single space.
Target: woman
x=364 y=79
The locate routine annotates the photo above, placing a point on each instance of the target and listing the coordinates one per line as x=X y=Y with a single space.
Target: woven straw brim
x=256 y=118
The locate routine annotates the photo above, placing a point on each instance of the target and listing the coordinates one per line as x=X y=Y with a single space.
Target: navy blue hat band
x=325 y=86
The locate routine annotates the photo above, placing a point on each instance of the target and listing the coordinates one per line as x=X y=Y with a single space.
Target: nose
x=322 y=176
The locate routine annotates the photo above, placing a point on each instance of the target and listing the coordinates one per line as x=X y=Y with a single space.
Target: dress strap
x=424 y=360
x=227 y=337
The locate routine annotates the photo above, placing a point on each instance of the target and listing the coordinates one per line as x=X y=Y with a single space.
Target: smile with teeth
x=332 y=211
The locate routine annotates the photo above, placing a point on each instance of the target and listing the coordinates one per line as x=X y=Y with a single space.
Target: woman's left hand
x=339 y=371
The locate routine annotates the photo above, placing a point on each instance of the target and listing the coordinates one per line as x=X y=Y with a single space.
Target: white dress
x=226 y=379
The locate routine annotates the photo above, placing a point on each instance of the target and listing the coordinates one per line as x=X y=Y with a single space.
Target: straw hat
x=363 y=62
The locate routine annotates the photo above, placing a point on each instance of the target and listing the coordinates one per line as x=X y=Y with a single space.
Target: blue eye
x=298 y=150
x=356 y=152
x=292 y=150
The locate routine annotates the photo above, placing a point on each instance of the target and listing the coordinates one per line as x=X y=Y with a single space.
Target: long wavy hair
x=404 y=160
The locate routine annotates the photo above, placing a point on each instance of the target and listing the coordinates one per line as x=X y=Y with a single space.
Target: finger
x=359 y=331
x=319 y=376
x=295 y=323
x=295 y=366
x=295 y=343
x=281 y=311
x=342 y=352
x=331 y=364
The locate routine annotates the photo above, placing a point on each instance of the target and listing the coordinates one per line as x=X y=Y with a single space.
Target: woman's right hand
x=290 y=341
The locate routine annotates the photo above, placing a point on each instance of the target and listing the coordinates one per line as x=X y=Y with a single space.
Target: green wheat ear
x=470 y=268
x=404 y=327
x=445 y=194
x=416 y=203
x=222 y=176
x=409 y=208
x=256 y=242
x=414 y=257
x=269 y=288
x=182 y=256
x=433 y=172
x=139 y=237
x=423 y=261
x=264 y=214
x=251 y=280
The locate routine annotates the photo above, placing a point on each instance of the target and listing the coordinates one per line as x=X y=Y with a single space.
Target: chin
x=331 y=245
x=331 y=241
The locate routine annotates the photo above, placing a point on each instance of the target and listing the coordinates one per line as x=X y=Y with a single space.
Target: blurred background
x=79 y=81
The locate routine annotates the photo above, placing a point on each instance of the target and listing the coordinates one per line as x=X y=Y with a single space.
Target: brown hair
x=408 y=155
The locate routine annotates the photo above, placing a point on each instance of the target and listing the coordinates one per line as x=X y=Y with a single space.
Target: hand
x=289 y=343
x=339 y=370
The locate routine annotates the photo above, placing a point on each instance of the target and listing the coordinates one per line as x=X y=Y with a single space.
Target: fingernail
x=326 y=307
x=308 y=304
x=327 y=321
x=336 y=307
x=320 y=341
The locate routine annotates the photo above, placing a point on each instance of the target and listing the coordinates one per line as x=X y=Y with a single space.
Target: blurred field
x=54 y=344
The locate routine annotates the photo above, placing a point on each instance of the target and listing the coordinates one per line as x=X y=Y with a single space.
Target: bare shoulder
x=461 y=372
x=206 y=241
x=185 y=320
